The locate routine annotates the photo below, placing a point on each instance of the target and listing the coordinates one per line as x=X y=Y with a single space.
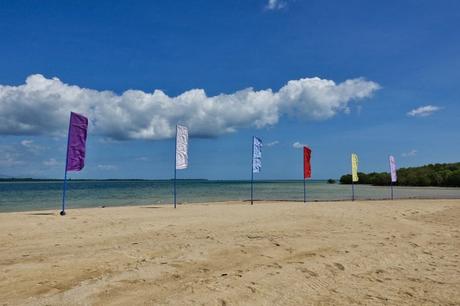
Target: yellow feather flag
x=354 y=167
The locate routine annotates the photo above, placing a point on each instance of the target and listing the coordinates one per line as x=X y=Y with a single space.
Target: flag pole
x=252 y=173
x=252 y=188
x=175 y=170
x=391 y=190
x=352 y=190
x=62 y=213
x=304 y=190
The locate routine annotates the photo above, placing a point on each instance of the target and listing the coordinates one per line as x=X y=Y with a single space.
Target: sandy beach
x=332 y=253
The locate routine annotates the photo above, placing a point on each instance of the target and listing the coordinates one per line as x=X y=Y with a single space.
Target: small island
x=436 y=175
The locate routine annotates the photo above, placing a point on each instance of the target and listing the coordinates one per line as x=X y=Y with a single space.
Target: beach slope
x=337 y=253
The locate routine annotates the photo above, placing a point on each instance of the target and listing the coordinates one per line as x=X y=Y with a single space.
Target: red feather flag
x=306 y=162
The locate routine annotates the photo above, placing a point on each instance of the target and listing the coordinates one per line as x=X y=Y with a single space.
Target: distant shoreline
x=151 y=180
x=261 y=181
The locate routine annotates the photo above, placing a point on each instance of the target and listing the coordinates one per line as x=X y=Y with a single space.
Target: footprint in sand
x=339 y=266
x=309 y=272
x=275 y=265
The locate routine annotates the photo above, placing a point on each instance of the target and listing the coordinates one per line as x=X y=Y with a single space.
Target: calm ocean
x=25 y=196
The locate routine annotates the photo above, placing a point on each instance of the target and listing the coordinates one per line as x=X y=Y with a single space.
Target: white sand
x=378 y=252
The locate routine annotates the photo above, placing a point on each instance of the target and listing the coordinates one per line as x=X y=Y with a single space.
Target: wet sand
x=336 y=253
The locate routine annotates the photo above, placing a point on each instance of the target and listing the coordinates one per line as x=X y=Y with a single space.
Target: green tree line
x=441 y=175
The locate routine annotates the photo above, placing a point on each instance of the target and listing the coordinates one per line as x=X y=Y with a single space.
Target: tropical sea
x=43 y=195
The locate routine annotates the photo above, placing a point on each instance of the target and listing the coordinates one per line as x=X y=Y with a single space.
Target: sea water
x=41 y=195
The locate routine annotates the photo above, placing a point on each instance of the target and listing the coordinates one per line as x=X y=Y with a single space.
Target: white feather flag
x=181 y=147
x=256 y=155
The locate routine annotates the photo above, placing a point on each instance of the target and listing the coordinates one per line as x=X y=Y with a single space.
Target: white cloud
x=107 y=167
x=42 y=106
x=273 y=143
x=51 y=162
x=9 y=160
x=9 y=156
x=298 y=145
x=27 y=143
x=275 y=4
x=107 y=140
x=411 y=153
x=30 y=146
x=423 y=111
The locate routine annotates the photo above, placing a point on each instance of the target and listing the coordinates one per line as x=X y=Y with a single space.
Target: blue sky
x=387 y=82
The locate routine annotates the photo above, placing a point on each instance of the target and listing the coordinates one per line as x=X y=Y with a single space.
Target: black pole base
x=62 y=213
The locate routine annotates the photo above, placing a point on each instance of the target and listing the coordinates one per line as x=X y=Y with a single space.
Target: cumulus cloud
x=298 y=145
x=423 y=111
x=275 y=4
x=411 y=153
x=42 y=106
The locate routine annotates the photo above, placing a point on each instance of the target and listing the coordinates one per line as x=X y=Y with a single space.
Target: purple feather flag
x=76 y=146
x=394 y=176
